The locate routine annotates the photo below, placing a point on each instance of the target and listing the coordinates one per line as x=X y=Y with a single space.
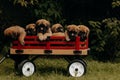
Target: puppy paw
x=44 y=37
x=67 y=39
x=22 y=43
x=41 y=38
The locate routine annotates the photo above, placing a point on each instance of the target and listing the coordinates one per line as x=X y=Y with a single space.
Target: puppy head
x=72 y=31
x=83 y=32
x=57 y=28
x=31 y=29
x=42 y=26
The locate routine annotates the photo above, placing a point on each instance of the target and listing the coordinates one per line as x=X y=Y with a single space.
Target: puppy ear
x=77 y=29
x=34 y=25
x=88 y=31
x=48 y=23
x=68 y=28
x=38 y=22
x=27 y=26
x=53 y=28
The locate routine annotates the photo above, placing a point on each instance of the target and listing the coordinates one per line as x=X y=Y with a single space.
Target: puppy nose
x=61 y=29
x=72 y=34
x=41 y=28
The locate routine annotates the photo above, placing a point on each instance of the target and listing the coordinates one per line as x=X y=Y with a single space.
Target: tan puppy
x=71 y=32
x=16 y=32
x=31 y=29
x=83 y=32
x=43 y=29
x=57 y=30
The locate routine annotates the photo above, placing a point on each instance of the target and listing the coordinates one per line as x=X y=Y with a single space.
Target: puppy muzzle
x=83 y=36
x=72 y=35
x=31 y=32
x=60 y=29
x=42 y=28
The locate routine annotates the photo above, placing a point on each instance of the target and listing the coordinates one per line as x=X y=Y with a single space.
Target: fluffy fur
x=43 y=29
x=83 y=32
x=57 y=30
x=71 y=32
x=31 y=29
x=16 y=32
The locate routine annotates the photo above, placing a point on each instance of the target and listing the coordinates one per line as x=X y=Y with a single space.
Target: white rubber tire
x=77 y=68
x=27 y=68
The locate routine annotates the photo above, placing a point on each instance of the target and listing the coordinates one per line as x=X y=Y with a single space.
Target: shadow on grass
x=6 y=70
x=52 y=70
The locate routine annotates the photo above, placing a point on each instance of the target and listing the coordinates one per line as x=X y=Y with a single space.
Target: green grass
x=56 y=69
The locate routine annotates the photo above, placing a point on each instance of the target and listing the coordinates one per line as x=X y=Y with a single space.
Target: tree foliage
x=106 y=40
x=50 y=10
x=25 y=3
x=115 y=3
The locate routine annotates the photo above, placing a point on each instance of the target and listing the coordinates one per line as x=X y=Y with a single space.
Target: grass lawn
x=56 y=69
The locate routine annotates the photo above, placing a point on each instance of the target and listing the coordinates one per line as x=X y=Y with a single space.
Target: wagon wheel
x=16 y=68
x=17 y=60
x=26 y=68
x=77 y=68
x=74 y=58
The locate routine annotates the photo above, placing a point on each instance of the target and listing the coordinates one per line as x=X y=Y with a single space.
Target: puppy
x=57 y=30
x=15 y=32
x=71 y=32
x=31 y=29
x=43 y=29
x=83 y=32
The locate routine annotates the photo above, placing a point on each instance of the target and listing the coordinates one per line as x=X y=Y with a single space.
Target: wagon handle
x=3 y=58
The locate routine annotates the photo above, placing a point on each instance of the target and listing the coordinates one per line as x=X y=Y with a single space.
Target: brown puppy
x=31 y=29
x=43 y=29
x=71 y=32
x=57 y=30
x=15 y=32
x=83 y=32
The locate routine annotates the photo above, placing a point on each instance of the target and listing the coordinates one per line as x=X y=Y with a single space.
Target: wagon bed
x=56 y=45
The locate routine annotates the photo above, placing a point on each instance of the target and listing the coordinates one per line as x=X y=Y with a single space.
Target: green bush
x=105 y=38
x=115 y=3
x=47 y=9
x=25 y=3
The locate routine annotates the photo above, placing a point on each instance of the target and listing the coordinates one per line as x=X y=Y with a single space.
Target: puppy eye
x=42 y=25
x=60 y=29
x=34 y=25
x=80 y=33
x=46 y=27
x=30 y=29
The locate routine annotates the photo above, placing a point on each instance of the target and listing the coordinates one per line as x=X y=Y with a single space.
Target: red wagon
x=56 y=45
